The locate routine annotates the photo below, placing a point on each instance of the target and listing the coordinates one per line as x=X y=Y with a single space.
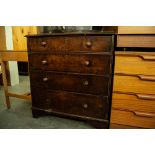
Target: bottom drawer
x=71 y=103
x=138 y=119
x=120 y=126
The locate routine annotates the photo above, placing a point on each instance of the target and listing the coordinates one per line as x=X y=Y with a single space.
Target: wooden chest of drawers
x=133 y=103
x=71 y=75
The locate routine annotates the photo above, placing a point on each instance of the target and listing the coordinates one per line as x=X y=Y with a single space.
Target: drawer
x=136 y=41
x=132 y=118
x=136 y=29
x=84 y=83
x=80 y=63
x=135 y=63
x=71 y=103
x=120 y=126
x=134 y=83
x=74 y=43
x=134 y=102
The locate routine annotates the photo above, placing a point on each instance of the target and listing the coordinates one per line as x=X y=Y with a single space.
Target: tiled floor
x=20 y=117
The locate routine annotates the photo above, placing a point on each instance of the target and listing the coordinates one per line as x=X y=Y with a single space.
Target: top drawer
x=71 y=43
x=136 y=41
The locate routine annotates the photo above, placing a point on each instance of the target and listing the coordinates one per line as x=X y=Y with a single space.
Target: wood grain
x=19 y=41
x=132 y=101
x=130 y=83
x=136 y=29
x=79 y=63
x=124 y=63
x=131 y=119
x=121 y=126
x=2 y=38
x=85 y=83
x=135 y=40
x=71 y=43
x=14 y=55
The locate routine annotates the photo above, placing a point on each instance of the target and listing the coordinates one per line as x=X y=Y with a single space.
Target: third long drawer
x=74 y=82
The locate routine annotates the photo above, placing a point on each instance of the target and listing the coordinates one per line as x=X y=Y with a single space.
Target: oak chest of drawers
x=133 y=101
x=71 y=75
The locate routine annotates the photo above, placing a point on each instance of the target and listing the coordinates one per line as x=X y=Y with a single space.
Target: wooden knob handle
x=43 y=43
x=87 y=63
x=85 y=105
x=85 y=83
x=45 y=79
x=44 y=62
x=88 y=44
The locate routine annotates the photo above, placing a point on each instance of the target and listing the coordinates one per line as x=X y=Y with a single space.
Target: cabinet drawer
x=135 y=40
x=134 y=83
x=84 y=83
x=80 y=43
x=135 y=63
x=132 y=118
x=71 y=103
x=80 y=63
x=120 y=126
x=134 y=102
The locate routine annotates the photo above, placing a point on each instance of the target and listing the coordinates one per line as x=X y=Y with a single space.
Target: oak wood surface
x=130 y=83
x=19 y=39
x=136 y=41
x=132 y=119
x=136 y=29
x=12 y=55
x=135 y=63
x=134 y=102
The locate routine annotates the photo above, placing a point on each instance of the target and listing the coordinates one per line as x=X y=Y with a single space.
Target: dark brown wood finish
x=71 y=76
x=85 y=83
x=79 y=63
x=72 y=103
x=70 y=44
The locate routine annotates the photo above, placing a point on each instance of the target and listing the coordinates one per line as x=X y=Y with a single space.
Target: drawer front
x=135 y=40
x=120 y=126
x=80 y=63
x=136 y=84
x=138 y=119
x=70 y=82
x=139 y=63
x=80 y=43
x=134 y=102
x=71 y=103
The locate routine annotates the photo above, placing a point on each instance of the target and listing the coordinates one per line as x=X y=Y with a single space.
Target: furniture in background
x=20 y=43
x=133 y=101
x=71 y=75
x=6 y=56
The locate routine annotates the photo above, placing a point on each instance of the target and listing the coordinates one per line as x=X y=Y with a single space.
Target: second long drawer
x=80 y=62
x=85 y=83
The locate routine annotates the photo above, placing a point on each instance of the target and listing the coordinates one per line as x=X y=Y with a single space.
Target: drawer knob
x=85 y=83
x=88 y=44
x=44 y=62
x=87 y=63
x=85 y=106
x=43 y=43
x=45 y=79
